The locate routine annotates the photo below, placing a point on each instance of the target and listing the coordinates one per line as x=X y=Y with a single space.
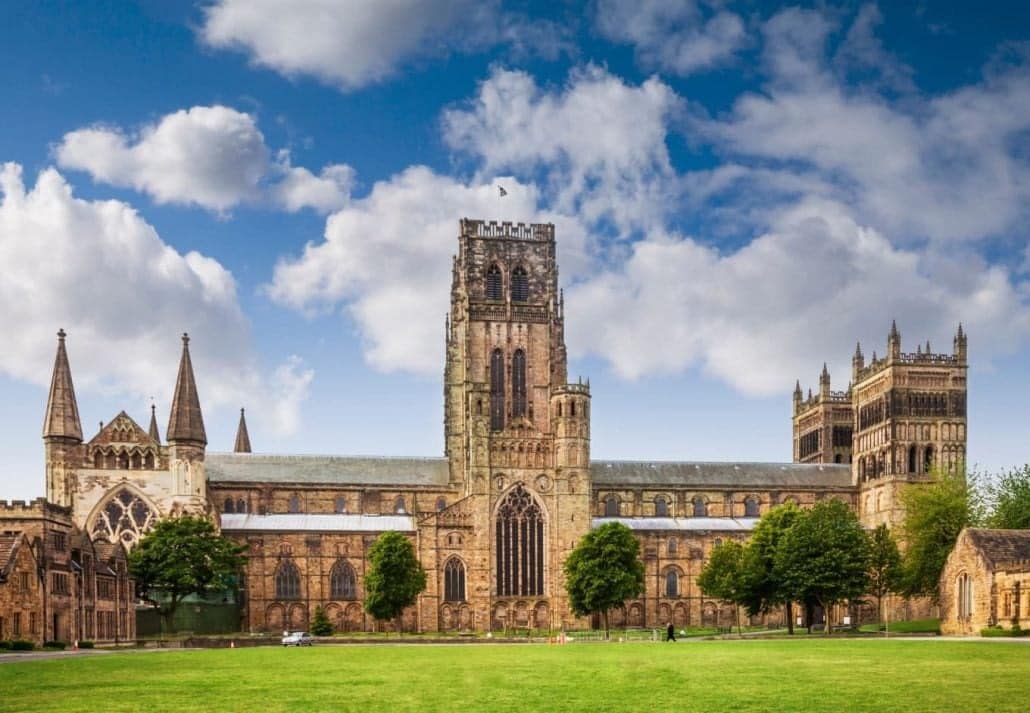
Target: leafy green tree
x=885 y=572
x=935 y=513
x=721 y=577
x=604 y=571
x=1010 y=500
x=320 y=624
x=824 y=557
x=761 y=590
x=183 y=556
x=394 y=579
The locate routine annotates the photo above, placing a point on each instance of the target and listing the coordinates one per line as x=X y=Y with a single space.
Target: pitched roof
x=733 y=475
x=693 y=524
x=62 y=411
x=242 y=444
x=317 y=523
x=1001 y=546
x=185 y=422
x=338 y=470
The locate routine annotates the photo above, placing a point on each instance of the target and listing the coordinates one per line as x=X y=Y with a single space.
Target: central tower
x=516 y=433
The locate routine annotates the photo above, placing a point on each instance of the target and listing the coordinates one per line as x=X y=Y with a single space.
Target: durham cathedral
x=494 y=519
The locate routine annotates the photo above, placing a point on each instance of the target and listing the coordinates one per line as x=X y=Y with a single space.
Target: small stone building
x=986 y=582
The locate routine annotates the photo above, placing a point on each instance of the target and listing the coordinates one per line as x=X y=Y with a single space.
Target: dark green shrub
x=22 y=645
x=56 y=644
x=5 y=645
x=86 y=644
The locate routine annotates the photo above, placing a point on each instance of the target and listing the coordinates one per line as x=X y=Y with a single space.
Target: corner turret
x=186 y=436
x=62 y=430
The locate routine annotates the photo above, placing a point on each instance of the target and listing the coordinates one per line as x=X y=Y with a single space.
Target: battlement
x=835 y=397
x=917 y=359
x=518 y=231
x=574 y=389
x=34 y=508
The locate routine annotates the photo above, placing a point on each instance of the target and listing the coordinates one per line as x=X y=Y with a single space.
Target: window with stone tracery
x=519 y=533
x=519 y=285
x=287 y=581
x=454 y=580
x=494 y=289
x=341 y=581
x=125 y=518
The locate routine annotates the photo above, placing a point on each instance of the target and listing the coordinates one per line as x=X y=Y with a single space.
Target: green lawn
x=836 y=675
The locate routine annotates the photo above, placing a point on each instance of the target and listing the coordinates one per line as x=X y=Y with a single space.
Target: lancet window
x=454 y=580
x=494 y=290
x=519 y=285
x=518 y=383
x=497 y=390
x=519 y=532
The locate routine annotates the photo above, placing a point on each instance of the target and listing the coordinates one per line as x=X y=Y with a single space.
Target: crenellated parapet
x=506 y=230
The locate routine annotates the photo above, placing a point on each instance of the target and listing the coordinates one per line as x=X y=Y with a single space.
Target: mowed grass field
x=835 y=675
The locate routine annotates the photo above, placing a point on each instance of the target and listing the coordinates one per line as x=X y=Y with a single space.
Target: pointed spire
x=826 y=373
x=154 y=433
x=928 y=350
x=62 y=411
x=894 y=330
x=185 y=422
x=960 y=333
x=797 y=388
x=858 y=350
x=242 y=437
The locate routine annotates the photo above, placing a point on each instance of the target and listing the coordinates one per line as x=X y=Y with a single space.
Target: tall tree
x=721 y=577
x=885 y=573
x=183 y=556
x=604 y=571
x=761 y=590
x=394 y=579
x=935 y=513
x=824 y=557
x=1009 y=496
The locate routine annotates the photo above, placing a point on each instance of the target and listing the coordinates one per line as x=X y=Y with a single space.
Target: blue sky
x=741 y=191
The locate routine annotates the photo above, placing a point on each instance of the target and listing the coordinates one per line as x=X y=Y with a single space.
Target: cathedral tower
x=909 y=420
x=822 y=424
x=517 y=433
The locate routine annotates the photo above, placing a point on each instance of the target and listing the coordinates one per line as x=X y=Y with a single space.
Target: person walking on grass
x=670 y=632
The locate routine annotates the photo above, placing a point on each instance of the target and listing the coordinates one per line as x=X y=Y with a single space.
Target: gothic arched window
x=454 y=581
x=661 y=507
x=241 y=505
x=294 y=504
x=340 y=505
x=494 y=290
x=611 y=506
x=928 y=459
x=672 y=584
x=341 y=581
x=496 y=390
x=520 y=545
x=287 y=581
x=700 y=507
x=124 y=518
x=751 y=507
x=519 y=285
x=228 y=506
x=518 y=383
x=398 y=505
x=911 y=459
x=441 y=504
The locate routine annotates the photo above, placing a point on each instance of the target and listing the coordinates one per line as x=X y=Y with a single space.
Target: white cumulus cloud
x=214 y=157
x=347 y=43
x=97 y=269
x=599 y=142
x=682 y=37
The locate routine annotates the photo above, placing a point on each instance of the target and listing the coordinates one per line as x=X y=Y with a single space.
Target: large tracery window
x=519 y=285
x=497 y=390
x=454 y=581
x=341 y=581
x=287 y=581
x=493 y=283
x=520 y=545
x=518 y=383
x=125 y=518
x=672 y=584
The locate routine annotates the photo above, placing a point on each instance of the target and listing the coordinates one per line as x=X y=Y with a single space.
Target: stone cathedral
x=494 y=518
